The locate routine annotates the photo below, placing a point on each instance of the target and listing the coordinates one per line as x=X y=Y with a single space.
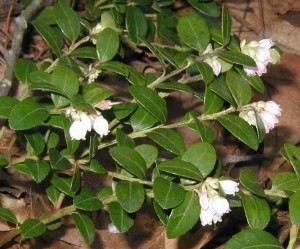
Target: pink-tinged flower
x=100 y=125
x=229 y=187
x=273 y=108
x=78 y=130
x=248 y=116
x=203 y=199
x=269 y=120
x=266 y=43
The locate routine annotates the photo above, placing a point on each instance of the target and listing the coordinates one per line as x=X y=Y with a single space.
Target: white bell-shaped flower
x=219 y=205
x=100 y=125
x=78 y=130
x=229 y=187
x=206 y=217
x=273 y=108
x=86 y=120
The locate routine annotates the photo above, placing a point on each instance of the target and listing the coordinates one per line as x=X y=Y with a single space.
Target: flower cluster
x=213 y=206
x=83 y=122
x=262 y=53
x=213 y=61
x=268 y=112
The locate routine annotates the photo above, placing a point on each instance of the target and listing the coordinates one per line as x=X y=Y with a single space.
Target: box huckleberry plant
x=70 y=121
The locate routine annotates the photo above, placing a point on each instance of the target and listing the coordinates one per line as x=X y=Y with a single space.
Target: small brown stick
x=8 y=25
x=262 y=19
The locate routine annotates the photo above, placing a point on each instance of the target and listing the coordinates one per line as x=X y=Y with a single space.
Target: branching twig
x=21 y=25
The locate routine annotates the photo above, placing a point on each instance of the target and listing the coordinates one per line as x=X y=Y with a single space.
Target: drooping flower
x=214 y=63
x=219 y=205
x=78 y=130
x=268 y=112
x=229 y=187
x=100 y=125
x=262 y=53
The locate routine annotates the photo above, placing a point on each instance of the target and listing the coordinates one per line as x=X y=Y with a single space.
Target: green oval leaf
x=255 y=81
x=219 y=86
x=286 y=181
x=119 y=217
x=239 y=87
x=38 y=169
x=28 y=113
x=67 y=19
x=57 y=161
x=85 y=52
x=87 y=200
x=180 y=168
x=148 y=152
x=130 y=195
x=253 y=238
x=6 y=105
x=206 y=71
x=212 y=102
x=203 y=156
x=123 y=139
x=85 y=226
x=8 y=215
x=22 y=69
x=193 y=31
x=257 y=211
x=293 y=154
x=241 y=129
x=36 y=140
x=207 y=8
x=151 y=101
x=184 y=217
x=167 y=194
x=107 y=45
x=32 y=228
x=130 y=159
x=63 y=184
x=53 y=194
x=294 y=208
x=237 y=58
x=136 y=23
x=250 y=181
x=142 y=119
x=168 y=139
x=226 y=25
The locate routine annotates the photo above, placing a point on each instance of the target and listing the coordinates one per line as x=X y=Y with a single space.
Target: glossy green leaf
x=7 y=103
x=107 y=45
x=286 y=181
x=257 y=211
x=38 y=169
x=65 y=78
x=294 y=208
x=130 y=195
x=130 y=159
x=85 y=53
x=123 y=139
x=167 y=194
x=57 y=161
x=22 y=168
x=96 y=167
x=184 y=216
x=237 y=58
x=76 y=180
x=193 y=31
x=53 y=194
x=8 y=215
x=116 y=66
x=239 y=87
x=161 y=214
x=105 y=192
x=22 y=69
x=28 y=113
x=46 y=87
x=212 y=102
x=39 y=78
x=136 y=23
x=94 y=93
x=151 y=101
x=219 y=86
x=46 y=15
x=260 y=127
x=67 y=19
x=63 y=184
x=36 y=141
x=293 y=153
x=226 y=25
x=123 y=110
x=85 y=226
x=168 y=139
x=142 y=119
x=178 y=87
x=3 y=160
x=32 y=228
x=180 y=168
x=78 y=102
x=253 y=238
x=119 y=217
x=148 y=152
x=52 y=36
x=202 y=155
x=241 y=129
x=255 y=81
x=87 y=200
x=249 y=180
x=206 y=71
x=207 y=8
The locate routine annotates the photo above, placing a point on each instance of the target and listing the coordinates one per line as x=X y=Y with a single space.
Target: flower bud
x=78 y=130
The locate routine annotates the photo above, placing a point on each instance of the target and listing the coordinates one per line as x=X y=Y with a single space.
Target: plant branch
x=21 y=26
